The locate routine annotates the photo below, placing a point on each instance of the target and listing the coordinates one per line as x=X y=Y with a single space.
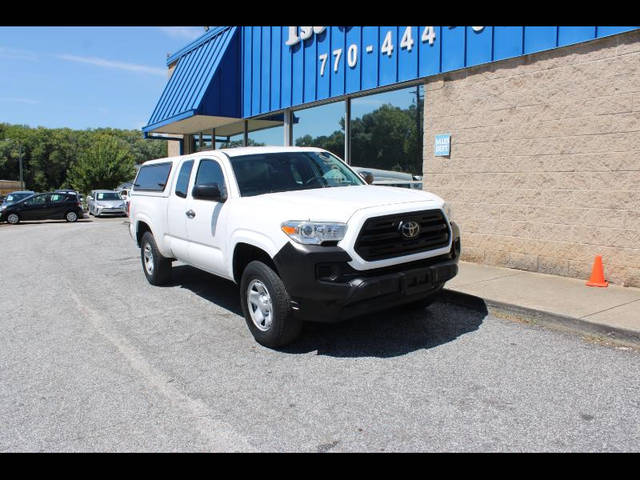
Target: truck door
x=206 y=220
x=177 y=213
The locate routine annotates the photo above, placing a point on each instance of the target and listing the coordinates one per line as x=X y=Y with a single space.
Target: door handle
x=190 y=213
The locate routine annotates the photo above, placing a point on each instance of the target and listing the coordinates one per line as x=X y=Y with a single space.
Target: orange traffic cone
x=597 y=274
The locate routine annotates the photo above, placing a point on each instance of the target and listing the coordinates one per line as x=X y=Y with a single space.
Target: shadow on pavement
x=43 y=222
x=223 y=293
x=384 y=334
x=389 y=333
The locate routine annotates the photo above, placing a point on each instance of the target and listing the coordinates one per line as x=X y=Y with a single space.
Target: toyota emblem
x=409 y=229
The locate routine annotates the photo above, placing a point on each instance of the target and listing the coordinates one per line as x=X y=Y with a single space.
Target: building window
x=321 y=126
x=387 y=130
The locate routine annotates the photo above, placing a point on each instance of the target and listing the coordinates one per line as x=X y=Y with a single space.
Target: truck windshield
x=286 y=171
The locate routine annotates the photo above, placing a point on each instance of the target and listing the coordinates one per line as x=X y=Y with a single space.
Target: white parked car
x=106 y=202
x=391 y=177
x=304 y=236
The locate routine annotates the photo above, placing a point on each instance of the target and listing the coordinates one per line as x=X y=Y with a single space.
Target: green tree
x=105 y=164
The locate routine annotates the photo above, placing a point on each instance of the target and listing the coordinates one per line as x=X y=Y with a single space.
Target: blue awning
x=198 y=96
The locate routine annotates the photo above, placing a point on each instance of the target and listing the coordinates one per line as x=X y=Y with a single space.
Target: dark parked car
x=43 y=206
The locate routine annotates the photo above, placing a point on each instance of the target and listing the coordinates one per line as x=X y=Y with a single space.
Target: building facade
x=531 y=133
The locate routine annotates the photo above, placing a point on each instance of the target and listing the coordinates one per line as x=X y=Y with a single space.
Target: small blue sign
x=442 y=146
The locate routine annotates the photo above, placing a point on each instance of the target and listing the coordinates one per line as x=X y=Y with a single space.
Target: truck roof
x=236 y=151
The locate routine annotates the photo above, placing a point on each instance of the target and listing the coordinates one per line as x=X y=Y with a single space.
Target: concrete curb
x=552 y=320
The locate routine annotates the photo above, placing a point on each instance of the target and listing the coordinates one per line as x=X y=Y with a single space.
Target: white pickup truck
x=304 y=236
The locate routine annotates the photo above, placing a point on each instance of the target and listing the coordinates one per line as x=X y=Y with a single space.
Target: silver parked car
x=106 y=202
x=390 y=178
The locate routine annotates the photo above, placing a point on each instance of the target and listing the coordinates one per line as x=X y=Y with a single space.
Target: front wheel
x=13 y=218
x=156 y=268
x=267 y=307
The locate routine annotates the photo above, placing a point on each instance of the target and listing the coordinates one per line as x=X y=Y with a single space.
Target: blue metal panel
x=479 y=46
x=285 y=99
x=507 y=42
x=276 y=52
x=265 y=65
x=277 y=76
x=408 y=56
x=429 y=53
x=246 y=70
x=310 y=55
x=569 y=35
x=195 y=72
x=323 y=65
x=370 y=49
x=337 y=53
x=388 y=60
x=537 y=39
x=256 y=71
x=353 y=52
x=453 y=46
x=604 y=31
x=297 y=76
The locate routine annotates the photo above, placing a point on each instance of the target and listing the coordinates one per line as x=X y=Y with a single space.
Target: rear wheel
x=267 y=307
x=71 y=216
x=156 y=268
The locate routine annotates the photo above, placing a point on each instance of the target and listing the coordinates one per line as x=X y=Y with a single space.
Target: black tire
x=160 y=271
x=10 y=218
x=284 y=327
x=71 y=216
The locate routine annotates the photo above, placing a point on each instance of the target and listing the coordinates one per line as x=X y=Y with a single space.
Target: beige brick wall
x=544 y=171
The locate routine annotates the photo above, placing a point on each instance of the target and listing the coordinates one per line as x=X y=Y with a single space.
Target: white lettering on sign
x=407 y=41
x=305 y=33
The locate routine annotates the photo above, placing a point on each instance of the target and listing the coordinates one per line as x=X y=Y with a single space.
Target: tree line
x=80 y=159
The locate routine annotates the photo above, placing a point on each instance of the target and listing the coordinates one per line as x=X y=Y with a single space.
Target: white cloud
x=190 y=33
x=101 y=62
x=17 y=54
x=18 y=100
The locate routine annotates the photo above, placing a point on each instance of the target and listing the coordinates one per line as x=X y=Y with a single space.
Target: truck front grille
x=381 y=238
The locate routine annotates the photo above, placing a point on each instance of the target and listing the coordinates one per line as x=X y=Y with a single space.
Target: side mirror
x=89 y=197
x=368 y=176
x=209 y=191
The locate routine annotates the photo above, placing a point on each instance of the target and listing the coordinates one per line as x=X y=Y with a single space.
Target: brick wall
x=544 y=171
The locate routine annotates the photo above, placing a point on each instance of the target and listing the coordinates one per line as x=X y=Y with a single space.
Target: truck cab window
x=210 y=172
x=182 y=184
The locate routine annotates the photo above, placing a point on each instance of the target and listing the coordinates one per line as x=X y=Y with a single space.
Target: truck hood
x=338 y=204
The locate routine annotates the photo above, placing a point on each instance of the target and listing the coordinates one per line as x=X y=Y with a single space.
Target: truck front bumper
x=324 y=288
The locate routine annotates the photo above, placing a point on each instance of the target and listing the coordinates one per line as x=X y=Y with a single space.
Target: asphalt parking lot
x=93 y=358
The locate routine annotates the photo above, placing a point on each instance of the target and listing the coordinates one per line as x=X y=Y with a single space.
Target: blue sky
x=91 y=77
x=85 y=77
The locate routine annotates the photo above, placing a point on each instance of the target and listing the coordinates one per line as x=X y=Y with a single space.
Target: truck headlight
x=314 y=233
x=448 y=211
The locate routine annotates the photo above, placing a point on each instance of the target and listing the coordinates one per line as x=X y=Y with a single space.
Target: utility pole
x=20 y=159
x=418 y=131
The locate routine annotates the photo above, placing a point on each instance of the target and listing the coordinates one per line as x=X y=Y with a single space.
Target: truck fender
x=256 y=239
